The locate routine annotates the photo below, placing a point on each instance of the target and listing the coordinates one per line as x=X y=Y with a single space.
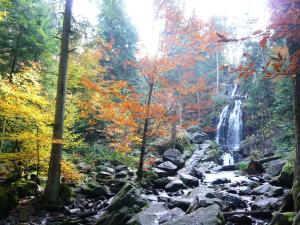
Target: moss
x=283 y=218
x=25 y=188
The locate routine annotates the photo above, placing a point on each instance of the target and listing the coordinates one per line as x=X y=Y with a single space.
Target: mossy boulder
x=25 y=188
x=8 y=200
x=128 y=202
x=283 y=218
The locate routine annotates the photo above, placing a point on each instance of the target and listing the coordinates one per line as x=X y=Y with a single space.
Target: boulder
x=149 y=216
x=234 y=201
x=104 y=175
x=169 y=167
x=171 y=216
x=210 y=215
x=84 y=168
x=95 y=191
x=121 y=174
x=266 y=203
x=25 y=188
x=175 y=185
x=196 y=173
x=128 y=202
x=193 y=129
x=198 y=137
x=201 y=201
x=174 y=156
x=274 y=167
x=268 y=190
x=160 y=173
x=221 y=181
x=162 y=182
x=284 y=179
x=283 y=218
x=189 y=180
x=120 y=168
x=180 y=202
x=240 y=220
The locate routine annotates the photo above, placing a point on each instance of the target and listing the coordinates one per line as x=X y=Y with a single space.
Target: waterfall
x=221 y=122
x=235 y=126
x=229 y=129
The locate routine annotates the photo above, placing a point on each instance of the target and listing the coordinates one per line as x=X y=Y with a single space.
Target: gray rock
x=174 y=156
x=169 y=167
x=160 y=173
x=234 y=201
x=121 y=174
x=180 y=202
x=198 y=137
x=104 y=175
x=268 y=190
x=201 y=201
x=175 y=185
x=193 y=129
x=128 y=202
x=275 y=167
x=210 y=215
x=121 y=168
x=265 y=203
x=84 y=168
x=221 y=181
x=162 y=182
x=196 y=173
x=240 y=220
x=189 y=180
x=149 y=216
x=172 y=215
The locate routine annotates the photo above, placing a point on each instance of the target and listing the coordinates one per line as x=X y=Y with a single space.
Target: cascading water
x=229 y=129
x=235 y=126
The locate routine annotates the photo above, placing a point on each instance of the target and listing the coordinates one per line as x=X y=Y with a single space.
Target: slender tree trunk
x=54 y=172
x=38 y=154
x=293 y=47
x=144 y=138
x=3 y=133
x=174 y=133
x=217 y=69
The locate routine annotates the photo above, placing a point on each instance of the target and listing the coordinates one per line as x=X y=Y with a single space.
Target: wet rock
x=240 y=220
x=169 y=167
x=174 y=156
x=84 y=168
x=180 y=202
x=213 y=195
x=245 y=191
x=189 y=180
x=234 y=201
x=232 y=191
x=95 y=191
x=201 y=201
x=198 y=137
x=175 y=185
x=73 y=211
x=210 y=215
x=149 y=216
x=284 y=179
x=172 y=215
x=221 y=181
x=106 y=169
x=196 y=173
x=104 y=175
x=128 y=202
x=120 y=168
x=162 y=182
x=265 y=203
x=275 y=167
x=121 y=174
x=160 y=173
x=268 y=190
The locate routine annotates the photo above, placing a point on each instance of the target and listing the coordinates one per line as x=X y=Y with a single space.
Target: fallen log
x=256 y=213
x=260 y=161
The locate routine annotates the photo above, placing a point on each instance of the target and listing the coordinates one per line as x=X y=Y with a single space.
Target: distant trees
x=26 y=34
x=116 y=28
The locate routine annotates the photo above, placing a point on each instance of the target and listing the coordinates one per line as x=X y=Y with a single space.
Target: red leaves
x=263 y=41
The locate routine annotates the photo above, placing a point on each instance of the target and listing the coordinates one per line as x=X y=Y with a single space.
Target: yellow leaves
x=69 y=172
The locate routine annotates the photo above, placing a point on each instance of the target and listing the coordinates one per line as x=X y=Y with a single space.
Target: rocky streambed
x=176 y=191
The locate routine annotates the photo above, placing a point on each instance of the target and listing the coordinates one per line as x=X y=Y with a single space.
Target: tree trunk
x=3 y=134
x=294 y=47
x=144 y=138
x=174 y=133
x=54 y=172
